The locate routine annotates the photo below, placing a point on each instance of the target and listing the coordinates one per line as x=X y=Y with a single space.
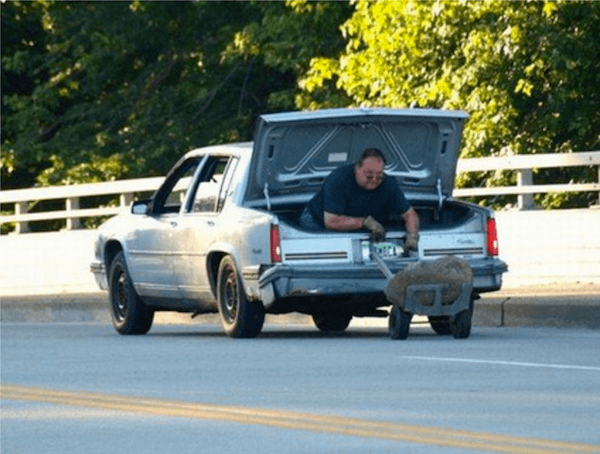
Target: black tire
x=441 y=325
x=331 y=322
x=461 y=328
x=399 y=323
x=128 y=312
x=240 y=318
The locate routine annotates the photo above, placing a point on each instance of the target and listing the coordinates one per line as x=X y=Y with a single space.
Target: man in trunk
x=358 y=196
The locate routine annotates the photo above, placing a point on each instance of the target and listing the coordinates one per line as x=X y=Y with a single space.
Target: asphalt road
x=81 y=388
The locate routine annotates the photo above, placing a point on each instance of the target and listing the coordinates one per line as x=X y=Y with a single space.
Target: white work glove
x=377 y=230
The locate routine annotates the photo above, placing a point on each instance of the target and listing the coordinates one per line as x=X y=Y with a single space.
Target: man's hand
x=377 y=230
x=412 y=230
x=412 y=242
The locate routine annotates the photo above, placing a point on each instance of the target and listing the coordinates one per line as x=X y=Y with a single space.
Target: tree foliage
x=93 y=91
x=528 y=73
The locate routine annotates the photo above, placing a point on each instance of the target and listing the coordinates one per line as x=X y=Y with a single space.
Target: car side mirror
x=140 y=207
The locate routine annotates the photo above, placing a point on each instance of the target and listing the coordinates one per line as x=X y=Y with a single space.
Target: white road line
x=503 y=363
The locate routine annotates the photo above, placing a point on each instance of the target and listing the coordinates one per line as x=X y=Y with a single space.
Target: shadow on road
x=422 y=333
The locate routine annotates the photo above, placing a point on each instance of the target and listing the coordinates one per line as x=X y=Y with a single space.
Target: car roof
x=238 y=148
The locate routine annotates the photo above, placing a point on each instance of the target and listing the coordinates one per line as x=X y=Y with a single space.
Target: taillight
x=275 y=244
x=492 y=237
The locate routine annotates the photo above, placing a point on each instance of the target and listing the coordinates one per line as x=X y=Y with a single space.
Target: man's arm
x=340 y=222
x=411 y=221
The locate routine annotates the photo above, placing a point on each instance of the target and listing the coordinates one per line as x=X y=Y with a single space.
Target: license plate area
x=386 y=249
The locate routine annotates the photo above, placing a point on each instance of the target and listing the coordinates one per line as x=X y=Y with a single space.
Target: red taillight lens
x=275 y=244
x=492 y=237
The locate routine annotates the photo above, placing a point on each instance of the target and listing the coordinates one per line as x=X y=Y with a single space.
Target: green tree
x=287 y=36
x=128 y=87
x=23 y=47
x=527 y=72
x=94 y=91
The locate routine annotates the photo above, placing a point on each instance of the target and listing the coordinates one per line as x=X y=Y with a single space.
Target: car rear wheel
x=332 y=322
x=399 y=323
x=441 y=325
x=240 y=318
x=128 y=312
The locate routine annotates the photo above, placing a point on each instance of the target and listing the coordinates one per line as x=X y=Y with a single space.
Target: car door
x=153 y=246
x=200 y=226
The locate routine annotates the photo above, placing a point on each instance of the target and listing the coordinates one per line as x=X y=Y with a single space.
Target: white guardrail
x=125 y=189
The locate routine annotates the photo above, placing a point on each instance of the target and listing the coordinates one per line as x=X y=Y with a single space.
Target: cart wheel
x=399 y=323
x=461 y=328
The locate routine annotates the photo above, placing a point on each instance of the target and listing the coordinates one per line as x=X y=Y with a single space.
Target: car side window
x=173 y=193
x=228 y=177
x=210 y=191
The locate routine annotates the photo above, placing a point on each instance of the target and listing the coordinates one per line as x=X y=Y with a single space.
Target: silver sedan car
x=222 y=233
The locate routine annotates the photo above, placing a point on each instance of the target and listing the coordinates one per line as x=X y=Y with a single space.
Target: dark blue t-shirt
x=342 y=195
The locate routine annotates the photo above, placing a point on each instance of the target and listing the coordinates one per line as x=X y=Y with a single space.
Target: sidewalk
x=558 y=305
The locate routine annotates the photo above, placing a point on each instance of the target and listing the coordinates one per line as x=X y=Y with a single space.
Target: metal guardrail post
x=125 y=199
x=21 y=208
x=525 y=178
x=72 y=203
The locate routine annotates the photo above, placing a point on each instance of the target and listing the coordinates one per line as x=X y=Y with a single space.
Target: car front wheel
x=128 y=312
x=240 y=318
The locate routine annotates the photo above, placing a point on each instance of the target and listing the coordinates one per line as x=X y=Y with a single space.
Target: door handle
x=210 y=223
x=173 y=223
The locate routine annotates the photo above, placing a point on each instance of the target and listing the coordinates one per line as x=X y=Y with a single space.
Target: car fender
x=213 y=257
x=249 y=251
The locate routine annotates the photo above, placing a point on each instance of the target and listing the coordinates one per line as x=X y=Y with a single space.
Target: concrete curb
x=579 y=311
x=71 y=307
x=93 y=308
x=577 y=306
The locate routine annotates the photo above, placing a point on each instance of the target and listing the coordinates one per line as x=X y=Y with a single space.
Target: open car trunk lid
x=295 y=151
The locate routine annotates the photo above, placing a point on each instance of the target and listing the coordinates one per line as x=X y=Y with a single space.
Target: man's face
x=370 y=174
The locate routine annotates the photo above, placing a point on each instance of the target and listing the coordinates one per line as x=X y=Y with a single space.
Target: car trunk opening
x=295 y=152
x=431 y=216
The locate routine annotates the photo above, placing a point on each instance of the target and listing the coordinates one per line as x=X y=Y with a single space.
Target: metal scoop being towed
x=439 y=289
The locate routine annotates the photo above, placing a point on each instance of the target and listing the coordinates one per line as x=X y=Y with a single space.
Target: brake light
x=275 y=244
x=492 y=237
